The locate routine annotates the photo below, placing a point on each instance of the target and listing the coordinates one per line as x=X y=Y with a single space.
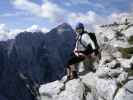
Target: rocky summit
x=32 y=66
x=113 y=77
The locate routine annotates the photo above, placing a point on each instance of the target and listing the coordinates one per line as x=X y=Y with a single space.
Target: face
x=79 y=30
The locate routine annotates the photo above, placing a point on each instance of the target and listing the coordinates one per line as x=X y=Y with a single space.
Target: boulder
x=126 y=92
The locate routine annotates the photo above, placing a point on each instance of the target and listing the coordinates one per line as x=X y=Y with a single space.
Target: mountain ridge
x=27 y=54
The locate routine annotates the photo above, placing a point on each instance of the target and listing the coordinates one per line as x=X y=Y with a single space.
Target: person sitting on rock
x=86 y=47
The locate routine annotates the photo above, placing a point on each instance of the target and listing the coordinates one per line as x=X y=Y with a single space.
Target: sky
x=46 y=14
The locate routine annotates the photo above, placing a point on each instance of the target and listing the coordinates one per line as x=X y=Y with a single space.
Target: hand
x=75 y=52
x=79 y=54
x=82 y=55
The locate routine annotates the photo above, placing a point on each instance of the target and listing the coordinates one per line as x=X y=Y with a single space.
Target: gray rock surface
x=126 y=92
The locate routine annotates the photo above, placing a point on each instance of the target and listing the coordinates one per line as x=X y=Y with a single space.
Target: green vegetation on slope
x=126 y=52
x=130 y=40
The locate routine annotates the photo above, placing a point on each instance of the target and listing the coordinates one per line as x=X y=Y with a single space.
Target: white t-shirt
x=85 y=41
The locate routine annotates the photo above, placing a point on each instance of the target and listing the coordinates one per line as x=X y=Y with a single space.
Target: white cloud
x=9 y=14
x=115 y=17
x=36 y=28
x=33 y=28
x=120 y=17
x=14 y=14
x=95 y=5
x=44 y=30
x=27 y=5
x=46 y=10
x=79 y=1
x=89 y=16
x=6 y=33
x=3 y=28
x=90 y=19
x=56 y=14
x=93 y=21
x=52 y=11
x=3 y=32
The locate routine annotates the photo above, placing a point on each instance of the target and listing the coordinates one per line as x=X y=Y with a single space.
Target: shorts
x=75 y=59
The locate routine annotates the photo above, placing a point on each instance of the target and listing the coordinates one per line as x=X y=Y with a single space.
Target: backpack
x=93 y=38
x=89 y=48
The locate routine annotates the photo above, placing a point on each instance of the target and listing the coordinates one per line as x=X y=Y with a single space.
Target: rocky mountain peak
x=39 y=56
x=113 y=77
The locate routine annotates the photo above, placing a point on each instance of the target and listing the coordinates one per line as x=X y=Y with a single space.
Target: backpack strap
x=93 y=38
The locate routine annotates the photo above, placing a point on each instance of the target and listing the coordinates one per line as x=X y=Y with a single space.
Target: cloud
x=89 y=16
x=46 y=10
x=14 y=14
x=52 y=11
x=79 y=1
x=44 y=30
x=33 y=28
x=27 y=5
x=6 y=33
x=55 y=13
x=93 y=4
x=119 y=17
x=115 y=17
x=36 y=28
x=90 y=19
x=3 y=28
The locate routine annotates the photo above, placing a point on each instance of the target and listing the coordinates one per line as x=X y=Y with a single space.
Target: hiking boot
x=74 y=75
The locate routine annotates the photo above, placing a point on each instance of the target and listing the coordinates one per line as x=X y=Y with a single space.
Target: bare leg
x=68 y=72
x=72 y=67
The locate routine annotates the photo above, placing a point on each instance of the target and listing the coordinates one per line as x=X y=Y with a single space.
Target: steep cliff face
x=58 y=45
x=43 y=56
x=39 y=56
x=3 y=56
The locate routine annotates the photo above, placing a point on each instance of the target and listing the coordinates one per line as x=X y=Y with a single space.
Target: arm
x=78 y=53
